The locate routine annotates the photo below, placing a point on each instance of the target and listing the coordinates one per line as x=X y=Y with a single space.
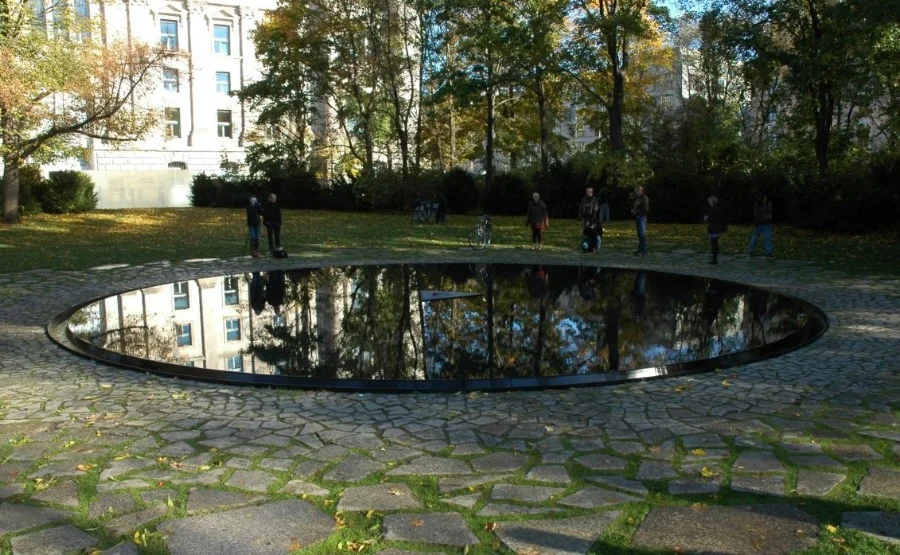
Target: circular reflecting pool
x=438 y=327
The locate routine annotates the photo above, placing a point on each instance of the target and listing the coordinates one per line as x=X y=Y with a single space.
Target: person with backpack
x=715 y=227
x=589 y=210
x=762 y=224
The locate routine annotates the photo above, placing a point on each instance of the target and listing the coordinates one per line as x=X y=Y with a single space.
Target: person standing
x=715 y=226
x=639 y=209
x=589 y=210
x=272 y=220
x=253 y=213
x=603 y=199
x=762 y=224
x=537 y=219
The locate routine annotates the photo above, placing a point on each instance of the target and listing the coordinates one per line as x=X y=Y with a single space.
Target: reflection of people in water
x=713 y=300
x=588 y=279
x=759 y=307
x=257 y=293
x=639 y=292
x=275 y=290
x=537 y=282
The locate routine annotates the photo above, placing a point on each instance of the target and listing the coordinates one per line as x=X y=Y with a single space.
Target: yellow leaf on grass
x=707 y=473
x=395 y=491
x=85 y=467
x=416 y=522
x=726 y=383
x=698 y=452
x=831 y=529
x=490 y=526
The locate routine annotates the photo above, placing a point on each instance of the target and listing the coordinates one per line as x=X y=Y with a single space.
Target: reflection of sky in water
x=371 y=322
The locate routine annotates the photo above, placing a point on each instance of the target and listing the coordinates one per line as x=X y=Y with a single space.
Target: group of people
x=594 y=212
x=271 y=218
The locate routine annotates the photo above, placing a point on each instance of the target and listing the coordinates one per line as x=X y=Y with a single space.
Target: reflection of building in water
x=203 y=322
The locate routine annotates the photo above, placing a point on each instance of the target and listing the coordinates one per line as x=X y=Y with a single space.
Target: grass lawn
x=73 y=242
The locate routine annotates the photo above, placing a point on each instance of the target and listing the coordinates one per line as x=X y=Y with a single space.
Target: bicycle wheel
x=477 y=238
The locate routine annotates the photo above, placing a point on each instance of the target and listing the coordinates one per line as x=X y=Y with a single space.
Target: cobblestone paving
x=94 y=457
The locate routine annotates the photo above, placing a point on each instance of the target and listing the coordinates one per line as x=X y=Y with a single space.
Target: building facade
x=201 y=124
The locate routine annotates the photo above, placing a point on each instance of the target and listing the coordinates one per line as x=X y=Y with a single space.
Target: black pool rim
x=816 y=326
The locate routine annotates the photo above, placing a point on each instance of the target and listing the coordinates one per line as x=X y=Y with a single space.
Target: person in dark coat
x=538 y=220
x=253 y=212
x=272 y=219
x=715 y=226
x=762 y=224
x=639 y=209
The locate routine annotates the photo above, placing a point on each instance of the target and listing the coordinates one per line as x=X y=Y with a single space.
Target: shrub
x=460 y=189
x=31 y=183
x=509 y=194
x=204 y=190
x=68 y=192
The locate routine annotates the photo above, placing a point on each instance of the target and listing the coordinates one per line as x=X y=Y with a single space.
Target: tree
x=292 y=56
x=58 y=85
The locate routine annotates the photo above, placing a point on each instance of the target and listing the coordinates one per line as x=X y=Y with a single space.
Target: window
x=579 y=129
x=173 y=122
x=168 y=33
x=279 y=321
x=234 y=363
x=181 y=297
x=170 y=79
x=183 y=335
x=231 y=290
x=177 y=165
x=233 y=329
x=223 y=82
x=223 y=117
x=222 y=40
x=81 y=8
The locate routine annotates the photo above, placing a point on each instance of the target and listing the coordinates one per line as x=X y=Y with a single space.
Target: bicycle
x=480 y=236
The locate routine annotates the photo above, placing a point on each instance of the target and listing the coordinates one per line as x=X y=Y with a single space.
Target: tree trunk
x=489 y=139
x=612 y=336
x=545 y=132
x=617 y=105
x=824 y=115
x=11 y=190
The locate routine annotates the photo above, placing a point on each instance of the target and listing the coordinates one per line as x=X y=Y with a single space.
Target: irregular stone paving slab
x=467 y=501
x=464 y=449
x=817 y=460
x=64 y=469
x=111 y=504
x=855 y=452
x=557 y=457
x=252 y=480
x=393 y=551
x=528 y=494
x=205 y=500
x=367 y=442
x=893 y=436
x=817 y=484
x=16 y=518
x=278 y=465
x=881 y=483
x=118 y=468
x=328 y=453
x=757 y=461
x=570 y=536
x=804 y=448
x=380 y=497
x=181 y=449
x=309 y=468
x=276 y=527
x=437 y=528
x=353 y=468
x=662 y=452
x=594 y=444
x=123 y=525
x=203 y=478
x=395 y=453
x=299 y=487
x=700 y=455
x=65 y=493
x=450 y=484
x=239 y=463
x=656 y=471
x=694 y=487
x=502 y=509
x=627 y=447
x=884 y=526
x=602 y=462
x=767 y=485
x=124 y=548
x=499 y=462
x=554 y=474
x=118 y=486
x=11 y=490
x=702 y=441
x=53 y=541
x=431 y=466
x=770 y=529
x=592 y=497
x=620 y=482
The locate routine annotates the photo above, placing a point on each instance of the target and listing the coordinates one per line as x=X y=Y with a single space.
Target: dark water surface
x=441 y=326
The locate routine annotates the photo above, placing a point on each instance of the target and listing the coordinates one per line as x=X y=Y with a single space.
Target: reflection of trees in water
x=134 y=338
